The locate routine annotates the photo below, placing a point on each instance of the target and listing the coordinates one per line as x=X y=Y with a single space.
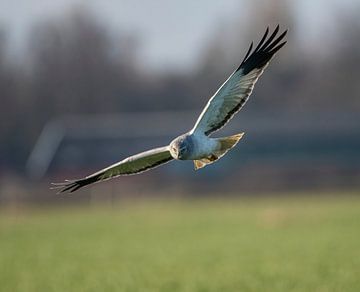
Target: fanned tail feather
x=225 y=144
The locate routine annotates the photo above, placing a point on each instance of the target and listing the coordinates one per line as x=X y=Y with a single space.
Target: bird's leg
x=212 y=157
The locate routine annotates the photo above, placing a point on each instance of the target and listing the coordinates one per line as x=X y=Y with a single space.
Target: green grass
x=268 y=244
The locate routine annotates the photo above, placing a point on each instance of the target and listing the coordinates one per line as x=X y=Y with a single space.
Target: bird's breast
x=201 y=146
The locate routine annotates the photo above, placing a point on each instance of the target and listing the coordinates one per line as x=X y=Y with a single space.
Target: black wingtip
x=264 y=51
x=70 y=186
x=278 y=47
x=249 y=50
x=262 y=40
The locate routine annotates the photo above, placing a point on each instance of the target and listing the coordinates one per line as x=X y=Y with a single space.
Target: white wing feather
x=228 y=100
x=132 y=165
x=235 y=91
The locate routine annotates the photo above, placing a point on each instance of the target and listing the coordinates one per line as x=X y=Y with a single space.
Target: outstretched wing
x=235 y=91
x=132 y=165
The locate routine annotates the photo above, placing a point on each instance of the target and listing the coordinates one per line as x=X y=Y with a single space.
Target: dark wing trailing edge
x=235 y=91
x=132 y=165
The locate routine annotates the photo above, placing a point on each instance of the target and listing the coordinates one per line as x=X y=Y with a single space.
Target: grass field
x=267 y=244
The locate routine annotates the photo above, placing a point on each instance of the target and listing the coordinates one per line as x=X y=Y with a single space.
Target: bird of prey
x=197 y=145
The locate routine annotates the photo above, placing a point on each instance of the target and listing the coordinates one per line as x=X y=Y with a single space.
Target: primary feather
x=235 y=91
x=132 y=165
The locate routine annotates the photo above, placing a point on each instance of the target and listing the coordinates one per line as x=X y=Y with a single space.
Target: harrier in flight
x=197 y=145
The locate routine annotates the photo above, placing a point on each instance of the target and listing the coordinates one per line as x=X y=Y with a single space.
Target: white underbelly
x=203 y=147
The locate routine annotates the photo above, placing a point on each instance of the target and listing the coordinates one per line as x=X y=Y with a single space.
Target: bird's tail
x=225 y=144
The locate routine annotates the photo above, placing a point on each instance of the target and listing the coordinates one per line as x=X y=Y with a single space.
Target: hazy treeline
x=75 y=65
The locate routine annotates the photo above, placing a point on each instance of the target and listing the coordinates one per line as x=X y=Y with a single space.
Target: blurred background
x=84 y=84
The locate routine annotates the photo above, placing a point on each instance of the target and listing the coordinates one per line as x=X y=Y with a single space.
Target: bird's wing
x=235 y=91
x=132 y=165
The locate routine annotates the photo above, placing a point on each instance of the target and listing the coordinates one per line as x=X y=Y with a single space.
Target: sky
x=172 y=32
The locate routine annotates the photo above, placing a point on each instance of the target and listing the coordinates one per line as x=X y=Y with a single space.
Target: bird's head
x=179 y=148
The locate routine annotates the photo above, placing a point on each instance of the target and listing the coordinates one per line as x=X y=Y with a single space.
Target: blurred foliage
x=74 y=65
x=298 y=243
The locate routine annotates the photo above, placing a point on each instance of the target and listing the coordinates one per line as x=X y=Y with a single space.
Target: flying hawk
x=197 y=145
